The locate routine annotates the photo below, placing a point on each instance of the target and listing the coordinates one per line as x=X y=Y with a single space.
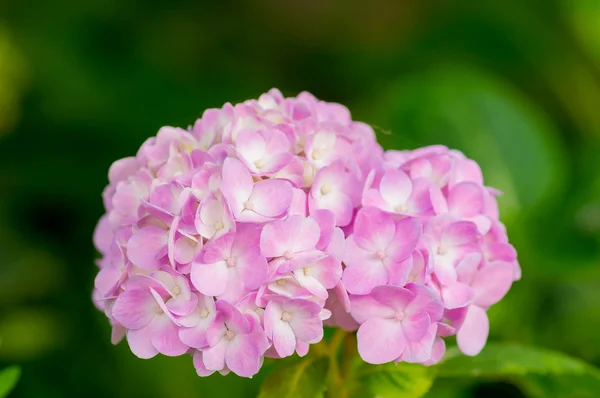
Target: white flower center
x=399 y=315
x=281 y=282
x=231 y=262
x=286 y=316
x=325 y=189
x=204 y=313
x=380 y=255
x=288 y=255
x=219 y=225
x=259 y=164
x=248 y=205
x=316 y=154
x=176 y=290
x=229 y=335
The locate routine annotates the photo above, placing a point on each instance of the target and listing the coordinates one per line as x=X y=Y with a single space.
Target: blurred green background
x=513 y=84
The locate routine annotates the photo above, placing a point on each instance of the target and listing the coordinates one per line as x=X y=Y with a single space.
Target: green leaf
x=403 y=380
x=538 y=371
x=305 y=378
x=8 y=379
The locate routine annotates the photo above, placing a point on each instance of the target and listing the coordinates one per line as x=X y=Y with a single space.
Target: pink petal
x=420 y=351
x=199 y=365
x=134 y=309
x=252 y=267
x=426 y=299
x=492 y=282
x=242 y=356
x=407 y=235
x=338 y=203
x=271 y=198
x=140 y=342
x=394 y=297
x=284 y=339
x=473 y=334
x=214 y=357
x=237 y=184
x=373 y=229
x=326 y=221
x=165 y=337
x=416 y=326
x=365 y=307
x=395 y=187
x=103 y=235
x=456 y=295
x=466 y=199
x=458 y=234
x=299 y=205
x=361 y=279
x=210 y=279
x=145 y=246
x=250 y=145
x=380 y=340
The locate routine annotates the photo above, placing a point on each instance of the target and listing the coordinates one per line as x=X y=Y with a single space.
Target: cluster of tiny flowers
x=243 y=235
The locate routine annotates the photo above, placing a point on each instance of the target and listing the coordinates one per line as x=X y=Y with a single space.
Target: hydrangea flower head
x=241 y=236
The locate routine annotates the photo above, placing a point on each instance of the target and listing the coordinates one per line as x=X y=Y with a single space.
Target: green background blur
x=513 y=84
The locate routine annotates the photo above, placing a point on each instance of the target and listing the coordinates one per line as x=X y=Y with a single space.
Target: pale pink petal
x=492 y=282
x=395 y=187
x=407 y=235
x=426 y=299
x=242 y=356
x=146 y=245
x=416 y=326
x=210 y=279
x=284 y=339
x=473 y=334
x=199 y=365
x=252 y=267
x=458 y=233
x=299 y=205
x=361 y=279
x=380 y=340
x=456 y=295
x=373 y=229
x=363 y=308
x=103 y=235
x=420 y=351
x=214 y=357
x=134 y=309
x=165 y=337
x=394 y=297
x=271 y=198
x=140 y=342
x=466 y=199
x=237 y=184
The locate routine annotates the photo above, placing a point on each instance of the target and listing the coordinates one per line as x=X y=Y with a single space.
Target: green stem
x=337 y=387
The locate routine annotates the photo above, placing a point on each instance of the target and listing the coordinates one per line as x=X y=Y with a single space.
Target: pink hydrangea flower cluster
x=243 y=235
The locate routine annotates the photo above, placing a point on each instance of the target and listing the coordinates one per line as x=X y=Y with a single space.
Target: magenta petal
x=380 y=340
x=145 y=246
x=472 y=336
